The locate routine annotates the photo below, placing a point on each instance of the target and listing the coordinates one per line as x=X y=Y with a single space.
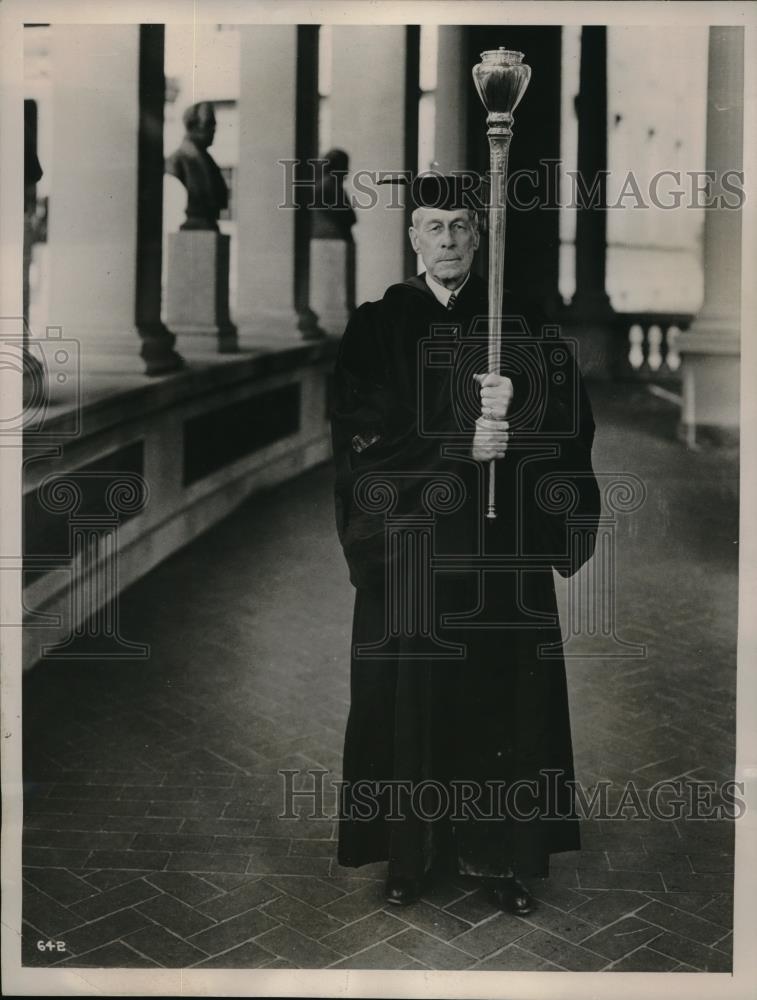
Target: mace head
x=501 y=79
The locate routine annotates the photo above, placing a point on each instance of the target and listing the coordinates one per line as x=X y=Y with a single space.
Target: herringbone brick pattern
x=153 y=834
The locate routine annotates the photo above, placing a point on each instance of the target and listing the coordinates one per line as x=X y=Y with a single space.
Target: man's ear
x=414 y=239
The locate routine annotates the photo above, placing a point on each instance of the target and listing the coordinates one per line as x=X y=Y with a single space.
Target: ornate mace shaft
x=501 y=79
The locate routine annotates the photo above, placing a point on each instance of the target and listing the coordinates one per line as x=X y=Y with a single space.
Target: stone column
x=94 y=193
x=710 y=349
x=157 y=342
x=532 y=254
x=267 y=135
x=590 y=313
x=452 y=80
x=367 y=115
x=591 y=221
x=306 y=149
x=532 y=264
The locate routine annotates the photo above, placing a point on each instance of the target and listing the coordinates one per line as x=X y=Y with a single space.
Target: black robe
x=454 y=712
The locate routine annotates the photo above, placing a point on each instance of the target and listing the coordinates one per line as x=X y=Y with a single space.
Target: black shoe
x=512 y=896
x=402 y=891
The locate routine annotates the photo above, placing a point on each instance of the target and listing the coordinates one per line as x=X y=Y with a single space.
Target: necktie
x=451 y=301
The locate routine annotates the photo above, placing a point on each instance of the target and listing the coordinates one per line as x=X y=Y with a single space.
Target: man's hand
x=490 y=439
x=496 y=393
x=492 y=430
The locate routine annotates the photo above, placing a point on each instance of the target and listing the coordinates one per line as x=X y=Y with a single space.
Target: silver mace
x=501 y=79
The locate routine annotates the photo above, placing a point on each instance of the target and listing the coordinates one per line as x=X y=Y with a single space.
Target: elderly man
x=458 y=689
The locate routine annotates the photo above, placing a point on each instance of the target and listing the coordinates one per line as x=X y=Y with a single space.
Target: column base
x=158 y=351
x=711 y=333
x=164 y=364
x=205 y=339
x=100 y=361
x=63 y=361
x=710 y=366
x=308 y=325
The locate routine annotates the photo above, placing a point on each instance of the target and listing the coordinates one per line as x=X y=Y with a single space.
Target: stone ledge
x=155 y=415
x=104 y=407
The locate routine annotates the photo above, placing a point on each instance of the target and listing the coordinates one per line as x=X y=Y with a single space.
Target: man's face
x=446 y=240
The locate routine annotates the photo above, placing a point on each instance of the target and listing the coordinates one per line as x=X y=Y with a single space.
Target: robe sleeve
x=363 y=414
x=375 y=431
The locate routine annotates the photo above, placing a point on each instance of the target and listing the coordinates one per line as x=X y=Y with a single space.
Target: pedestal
x=197 y=290
x=332 y=283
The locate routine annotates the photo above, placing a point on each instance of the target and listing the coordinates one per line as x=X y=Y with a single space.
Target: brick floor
x=152 y=798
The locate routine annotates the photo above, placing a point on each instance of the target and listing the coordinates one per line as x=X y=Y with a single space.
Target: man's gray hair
x=472 y=215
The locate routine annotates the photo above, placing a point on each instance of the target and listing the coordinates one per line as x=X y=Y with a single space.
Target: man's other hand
x=490 y=439
x=496 y=393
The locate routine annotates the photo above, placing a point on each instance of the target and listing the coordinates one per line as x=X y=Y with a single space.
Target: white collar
x=442 y=294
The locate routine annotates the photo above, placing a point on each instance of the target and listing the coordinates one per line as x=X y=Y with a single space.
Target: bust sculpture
x=192 y=164
x=333 y=216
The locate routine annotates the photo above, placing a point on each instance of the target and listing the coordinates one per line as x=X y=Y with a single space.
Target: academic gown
x=447 y=714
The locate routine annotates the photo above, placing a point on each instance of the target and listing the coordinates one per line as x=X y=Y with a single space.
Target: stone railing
x=647 y=346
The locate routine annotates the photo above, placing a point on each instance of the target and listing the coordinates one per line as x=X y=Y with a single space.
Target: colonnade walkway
x=152 y=790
